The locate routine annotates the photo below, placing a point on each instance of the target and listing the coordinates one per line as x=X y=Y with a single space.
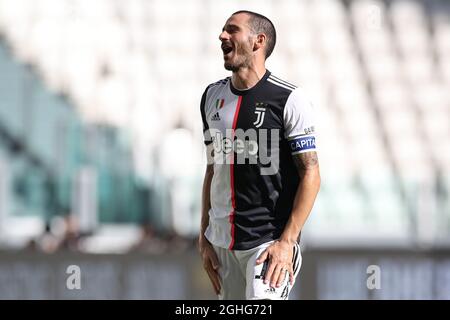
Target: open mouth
x=226 y=48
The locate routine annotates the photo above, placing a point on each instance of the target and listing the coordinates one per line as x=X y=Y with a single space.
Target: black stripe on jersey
x=223 y=81
x=263 y=270
x=283 y=81
x=285 y=293
x=282 y=84
x=296 y=249
x=295 y=254
x=263 y=202
x=203 y=113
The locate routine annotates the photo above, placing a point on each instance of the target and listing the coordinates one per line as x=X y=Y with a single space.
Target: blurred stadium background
x=101 y=155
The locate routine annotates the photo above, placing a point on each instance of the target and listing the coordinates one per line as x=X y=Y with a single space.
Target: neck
x=247 y=77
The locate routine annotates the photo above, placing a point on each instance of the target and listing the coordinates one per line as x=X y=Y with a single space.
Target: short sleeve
x=206 y=134
x=299 y=123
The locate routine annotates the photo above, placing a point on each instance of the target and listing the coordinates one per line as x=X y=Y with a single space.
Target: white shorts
x=242 y=279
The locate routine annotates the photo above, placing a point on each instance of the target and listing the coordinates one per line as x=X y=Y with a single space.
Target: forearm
x=303 y=203
x=206 y=202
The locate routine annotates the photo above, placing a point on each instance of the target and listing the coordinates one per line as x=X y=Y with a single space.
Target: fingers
x=269 y=272
x=262 y=257
x=211 y=265
x=291 y=276
x=280 y=265
x=214 y=277
x=277 y=272
x=214 y=260
x=283 y=274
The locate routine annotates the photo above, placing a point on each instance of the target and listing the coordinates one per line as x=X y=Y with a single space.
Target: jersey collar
x=247 y=91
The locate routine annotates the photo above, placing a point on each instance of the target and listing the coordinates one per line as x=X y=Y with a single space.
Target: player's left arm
x=281 y=251
x=307 y=164
x=299 y=124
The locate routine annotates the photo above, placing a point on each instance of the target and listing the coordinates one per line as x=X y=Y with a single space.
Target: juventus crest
x=260 y=111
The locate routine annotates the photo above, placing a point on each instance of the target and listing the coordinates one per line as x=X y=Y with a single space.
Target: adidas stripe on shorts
x=242 y=279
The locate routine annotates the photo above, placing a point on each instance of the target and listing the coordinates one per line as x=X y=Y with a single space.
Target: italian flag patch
x=219 y=103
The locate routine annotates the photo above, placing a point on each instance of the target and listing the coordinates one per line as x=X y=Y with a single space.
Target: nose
x=224 y=36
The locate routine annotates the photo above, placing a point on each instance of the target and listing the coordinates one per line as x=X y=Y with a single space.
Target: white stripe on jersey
x=279 y=84
x=282 y=81
x=218 y=231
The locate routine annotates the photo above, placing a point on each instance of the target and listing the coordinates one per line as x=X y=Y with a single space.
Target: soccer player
x=262 y=175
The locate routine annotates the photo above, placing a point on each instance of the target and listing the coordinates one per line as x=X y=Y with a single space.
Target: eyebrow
x=231 y=27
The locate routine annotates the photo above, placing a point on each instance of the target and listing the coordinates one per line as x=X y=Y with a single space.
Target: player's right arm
x=209 y=257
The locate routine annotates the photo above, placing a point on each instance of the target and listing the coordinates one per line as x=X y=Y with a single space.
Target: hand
x=280 y=260
x=210 y=263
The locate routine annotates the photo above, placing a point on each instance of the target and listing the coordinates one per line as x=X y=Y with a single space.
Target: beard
x=242 y=58
x=234 y=66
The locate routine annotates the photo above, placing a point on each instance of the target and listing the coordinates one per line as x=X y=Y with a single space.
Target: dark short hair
x=261 y=24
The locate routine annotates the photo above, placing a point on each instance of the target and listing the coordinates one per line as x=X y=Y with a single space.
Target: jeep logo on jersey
x=260 y=112
x=246 y=147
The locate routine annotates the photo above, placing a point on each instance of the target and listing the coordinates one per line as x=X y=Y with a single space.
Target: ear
x=260 y=41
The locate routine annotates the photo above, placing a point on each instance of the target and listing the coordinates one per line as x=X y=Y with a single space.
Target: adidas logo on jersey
x=270 y=290
x=215 y=117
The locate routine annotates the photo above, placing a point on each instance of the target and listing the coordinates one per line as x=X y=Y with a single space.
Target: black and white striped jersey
x=254 y=134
